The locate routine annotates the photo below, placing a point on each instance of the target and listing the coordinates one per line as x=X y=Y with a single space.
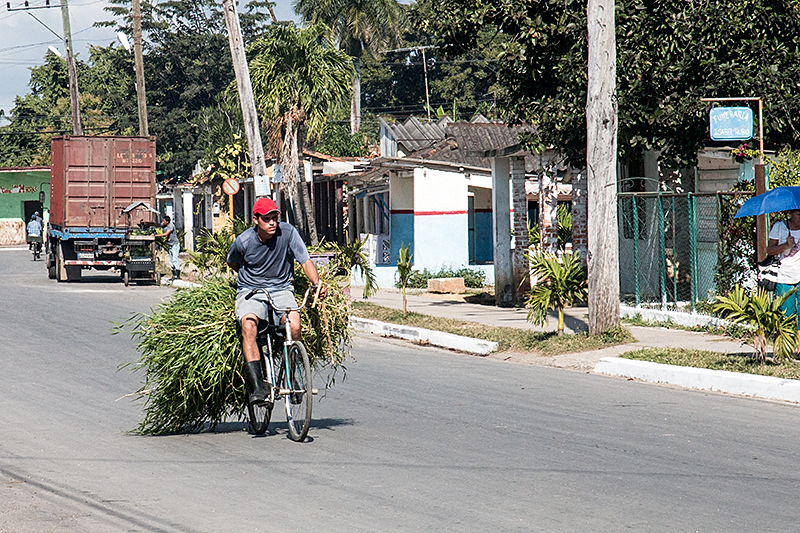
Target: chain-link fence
x=676 y=250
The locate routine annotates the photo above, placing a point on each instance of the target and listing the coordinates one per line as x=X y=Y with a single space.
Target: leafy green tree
x=560 y=281
x=45 y=111
x=187 y=68
x=299 y=79
x=358 y=26
x=669 y=55
x=337 y=141
x=461 y=82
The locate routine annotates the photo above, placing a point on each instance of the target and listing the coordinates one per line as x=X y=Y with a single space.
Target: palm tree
x=560 y=282
x=299 y=79
x=358 y=26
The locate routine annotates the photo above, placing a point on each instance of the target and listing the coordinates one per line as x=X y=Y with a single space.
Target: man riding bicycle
x=35 y=229
x=263 y=257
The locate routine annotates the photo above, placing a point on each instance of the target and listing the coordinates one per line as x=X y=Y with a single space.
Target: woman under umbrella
x=784 y=242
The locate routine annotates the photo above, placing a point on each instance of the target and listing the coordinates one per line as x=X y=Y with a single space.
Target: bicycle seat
x=272 y=325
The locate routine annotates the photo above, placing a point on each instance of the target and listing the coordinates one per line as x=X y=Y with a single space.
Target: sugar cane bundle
x=192 y=353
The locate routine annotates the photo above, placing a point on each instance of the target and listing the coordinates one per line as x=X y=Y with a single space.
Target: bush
x=474 y=278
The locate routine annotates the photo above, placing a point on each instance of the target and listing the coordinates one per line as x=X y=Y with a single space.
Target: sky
x=24 y=41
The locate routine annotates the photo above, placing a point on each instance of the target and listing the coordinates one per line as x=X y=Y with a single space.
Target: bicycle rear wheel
x=259 y=415
x=298 y=401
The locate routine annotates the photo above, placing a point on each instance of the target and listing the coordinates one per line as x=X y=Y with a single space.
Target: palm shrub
x=348 y=257
x=211 y=256
x=761 y=310
x=561 y=281
x=564 y=229
x=405 y=264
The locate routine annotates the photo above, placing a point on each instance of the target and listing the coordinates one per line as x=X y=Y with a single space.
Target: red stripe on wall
x=422 y=213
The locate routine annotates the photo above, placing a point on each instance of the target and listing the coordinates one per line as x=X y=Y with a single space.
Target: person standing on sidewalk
x=784 y=241
x=174 y=246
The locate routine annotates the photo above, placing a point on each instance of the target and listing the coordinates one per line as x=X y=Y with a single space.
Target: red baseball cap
x=264 y=206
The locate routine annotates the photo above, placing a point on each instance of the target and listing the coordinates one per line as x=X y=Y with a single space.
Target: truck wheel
x=61 y=273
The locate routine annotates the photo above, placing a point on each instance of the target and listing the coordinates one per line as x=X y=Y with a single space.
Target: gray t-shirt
x=269 y=264
x=173 y=236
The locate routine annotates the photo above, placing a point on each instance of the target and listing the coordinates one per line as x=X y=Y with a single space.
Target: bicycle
x=287 y=371
x=35 y=247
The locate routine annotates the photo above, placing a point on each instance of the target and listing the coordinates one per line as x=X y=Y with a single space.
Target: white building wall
x=440 y=219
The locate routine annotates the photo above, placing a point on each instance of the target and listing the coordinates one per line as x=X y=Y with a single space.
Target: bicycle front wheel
x=298 y=399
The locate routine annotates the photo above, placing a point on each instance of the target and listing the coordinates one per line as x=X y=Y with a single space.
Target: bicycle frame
x=286 y=343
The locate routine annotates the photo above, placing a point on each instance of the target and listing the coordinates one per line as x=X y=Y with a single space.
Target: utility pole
x=77 y=126
x=75 y=106
x=246 y=98
x=424 y=70
x=141 y=100
x=601 y=168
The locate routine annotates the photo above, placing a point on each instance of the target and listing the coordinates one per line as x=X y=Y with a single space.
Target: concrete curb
x=676 y=317
x=424 y=336
x=702 y=378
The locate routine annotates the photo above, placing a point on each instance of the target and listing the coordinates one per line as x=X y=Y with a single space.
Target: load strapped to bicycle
x=286 y=370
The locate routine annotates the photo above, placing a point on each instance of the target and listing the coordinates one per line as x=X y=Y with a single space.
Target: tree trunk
x=289 y=162
x=307 y=204
x=355 y=106
x=245 y=88
x=601 y=163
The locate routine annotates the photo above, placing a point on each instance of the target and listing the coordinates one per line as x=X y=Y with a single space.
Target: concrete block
x=449 y=285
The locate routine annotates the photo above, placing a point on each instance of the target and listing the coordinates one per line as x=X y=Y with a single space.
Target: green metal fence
x=673 y=247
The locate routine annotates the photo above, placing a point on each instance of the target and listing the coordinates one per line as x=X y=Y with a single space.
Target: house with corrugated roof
x=435 y=189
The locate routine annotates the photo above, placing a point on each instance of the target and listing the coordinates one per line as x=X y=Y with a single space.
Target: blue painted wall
x=402 y=227
x=484 y=243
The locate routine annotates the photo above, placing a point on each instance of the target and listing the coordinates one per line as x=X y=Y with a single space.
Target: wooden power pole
x=141 y=100
x=75 y=106
x=601 y=168
x=246 y=98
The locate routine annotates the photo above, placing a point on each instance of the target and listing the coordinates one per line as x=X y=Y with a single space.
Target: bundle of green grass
x=192 y=353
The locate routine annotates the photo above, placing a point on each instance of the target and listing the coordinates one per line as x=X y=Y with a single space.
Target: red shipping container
x=92 y=179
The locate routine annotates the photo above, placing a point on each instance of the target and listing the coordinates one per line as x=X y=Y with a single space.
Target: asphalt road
x=415 y=439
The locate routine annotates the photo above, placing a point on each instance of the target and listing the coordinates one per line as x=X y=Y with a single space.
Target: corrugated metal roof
x=487 y=137
x=415 y=135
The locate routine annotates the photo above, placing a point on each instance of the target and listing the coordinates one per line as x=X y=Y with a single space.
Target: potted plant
x=744 y=153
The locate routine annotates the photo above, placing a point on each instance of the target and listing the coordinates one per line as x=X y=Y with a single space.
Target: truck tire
x=64 y=272
x=61 y=273
x=50 y=260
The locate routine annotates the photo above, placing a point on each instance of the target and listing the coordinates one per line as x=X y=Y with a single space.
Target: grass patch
x=745 y=363
x=507 y=339
x=736 y=331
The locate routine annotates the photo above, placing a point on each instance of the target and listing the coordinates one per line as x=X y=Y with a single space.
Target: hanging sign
x=230 y=186
x=731 y=123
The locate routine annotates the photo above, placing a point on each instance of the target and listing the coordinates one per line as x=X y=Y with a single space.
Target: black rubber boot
x=255 y=380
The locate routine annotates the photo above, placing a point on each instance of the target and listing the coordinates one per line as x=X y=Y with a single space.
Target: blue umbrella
x=777 y=199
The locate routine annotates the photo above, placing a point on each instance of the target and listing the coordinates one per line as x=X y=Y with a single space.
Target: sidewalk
x=603 y=361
